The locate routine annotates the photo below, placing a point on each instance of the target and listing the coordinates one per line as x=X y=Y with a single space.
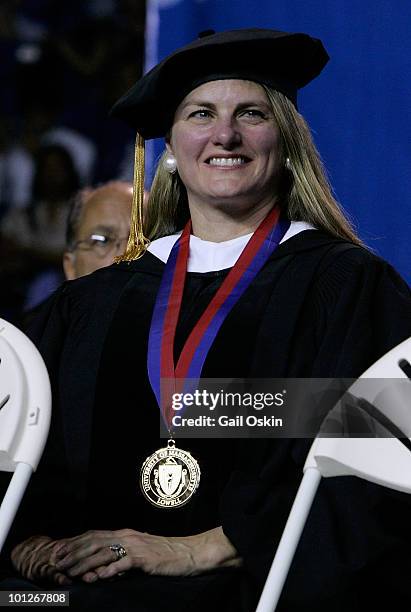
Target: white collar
x=208 y=256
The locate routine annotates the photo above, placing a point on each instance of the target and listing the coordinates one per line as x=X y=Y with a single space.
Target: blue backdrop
x=358 y=109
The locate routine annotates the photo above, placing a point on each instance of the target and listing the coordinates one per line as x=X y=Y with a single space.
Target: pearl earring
x=170 y=163
x=288 y=163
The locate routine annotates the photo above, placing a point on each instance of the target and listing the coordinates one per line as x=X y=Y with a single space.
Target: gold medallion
x=169 y=477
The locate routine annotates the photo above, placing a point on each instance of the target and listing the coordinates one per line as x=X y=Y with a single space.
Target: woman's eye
x=254 y=113
x=202 y=113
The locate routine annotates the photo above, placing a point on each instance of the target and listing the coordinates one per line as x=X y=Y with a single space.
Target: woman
x=240 y=164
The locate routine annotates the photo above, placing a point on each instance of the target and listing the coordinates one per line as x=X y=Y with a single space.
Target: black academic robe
x=320 y=307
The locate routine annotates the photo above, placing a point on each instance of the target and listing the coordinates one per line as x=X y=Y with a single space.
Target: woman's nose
x=226 y=133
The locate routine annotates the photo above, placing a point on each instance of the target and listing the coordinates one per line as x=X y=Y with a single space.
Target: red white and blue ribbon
x=160 y=359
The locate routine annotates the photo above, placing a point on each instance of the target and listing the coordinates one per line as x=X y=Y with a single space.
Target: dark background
x=64 y=64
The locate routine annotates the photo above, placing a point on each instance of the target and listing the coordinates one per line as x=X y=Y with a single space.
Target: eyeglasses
x=100 y=244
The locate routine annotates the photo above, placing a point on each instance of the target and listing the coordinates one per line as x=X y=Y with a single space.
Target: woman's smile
x=227 y=162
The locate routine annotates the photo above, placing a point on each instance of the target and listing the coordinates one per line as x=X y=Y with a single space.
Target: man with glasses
x=97 y=228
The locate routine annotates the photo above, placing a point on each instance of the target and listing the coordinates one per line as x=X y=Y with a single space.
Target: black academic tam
x=281 y=60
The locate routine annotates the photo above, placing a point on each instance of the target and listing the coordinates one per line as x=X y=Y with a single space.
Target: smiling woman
x=226 y=145
x=252 y=272
x=297 y=179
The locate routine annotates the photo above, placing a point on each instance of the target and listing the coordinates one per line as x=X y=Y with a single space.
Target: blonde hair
x=167 y=206
x=304 y=194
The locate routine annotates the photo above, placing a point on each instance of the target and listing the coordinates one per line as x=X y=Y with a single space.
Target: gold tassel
x=137 y=243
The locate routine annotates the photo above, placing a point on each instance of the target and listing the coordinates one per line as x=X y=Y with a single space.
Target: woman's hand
x=89 y=555
x=35 y=559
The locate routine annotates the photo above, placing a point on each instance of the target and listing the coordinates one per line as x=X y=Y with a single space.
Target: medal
x=169 y=477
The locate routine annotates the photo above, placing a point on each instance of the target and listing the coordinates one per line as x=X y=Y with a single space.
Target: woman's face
x=226 y=144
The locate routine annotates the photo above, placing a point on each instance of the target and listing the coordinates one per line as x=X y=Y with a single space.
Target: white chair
x=25 y=411
x=383 y=460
